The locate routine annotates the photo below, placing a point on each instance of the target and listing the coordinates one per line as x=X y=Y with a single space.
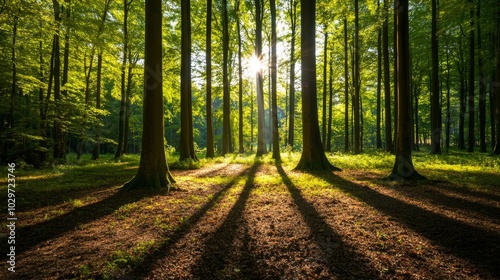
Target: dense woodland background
x=72 y=76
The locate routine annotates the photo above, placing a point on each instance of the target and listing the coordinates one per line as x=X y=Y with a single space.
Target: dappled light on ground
x=260 y=220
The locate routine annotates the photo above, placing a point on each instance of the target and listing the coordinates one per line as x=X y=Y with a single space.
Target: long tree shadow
x=432 y=194
x=32 y=235
x=481 y=247
x=145 y=266
x=218 y=247
x=56 y=188
x=334 y=250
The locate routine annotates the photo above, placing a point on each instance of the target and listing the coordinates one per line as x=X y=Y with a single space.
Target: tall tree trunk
x=126 y=128
x=241 y=149
x=448 y=108
x=88 y=71
x=415 y=111
x=208 y=59
x=187 y=144
x=403 y=165
x=325 y=63
x=396 y=87
x=482 y=85
x=226 y=100
x=493 y=109
x=291 y=114
x=379 y=84
x=496 y=83
x=471 y=139
x=330 y=106
x=59 y=147
x=123 y=101
x=261 y=126
x=97 y=145
x=153 y=169
x=274 y=62
x=356 y=82
x=14 y=73
x=41 y=102
x=313 y=156
x=435 y=94
x=387 y=82
x=463 y=96
x=346 y=89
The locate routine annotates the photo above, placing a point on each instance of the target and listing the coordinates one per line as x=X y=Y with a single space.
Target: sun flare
x=254 y=65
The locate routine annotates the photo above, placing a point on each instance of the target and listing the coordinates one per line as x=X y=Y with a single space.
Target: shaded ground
x=261 y=221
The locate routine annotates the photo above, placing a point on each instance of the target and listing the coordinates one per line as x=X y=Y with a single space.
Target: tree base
x=316 y=165
x=156 y=181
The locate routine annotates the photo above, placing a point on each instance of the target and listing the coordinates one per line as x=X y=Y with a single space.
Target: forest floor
x=255 y=219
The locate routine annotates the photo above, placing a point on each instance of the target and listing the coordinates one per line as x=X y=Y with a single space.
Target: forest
x=250 y=139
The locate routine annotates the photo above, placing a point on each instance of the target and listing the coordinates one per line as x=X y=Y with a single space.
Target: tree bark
x=291 y=112
x=379 y=84
x=153 y=169
x=435 y=94
x=241 y=149
x=123 y=101
x=313 y=156
x=97 y=146
x=325 y=63
x=261 y=126
x=346 y=89
x=471 y=139
x=496 y=85
x=330 y=107
x=274 y=62
x=186 y=144
x=387 y=82
x=403 y=165
x=356 y=82
x=226 y=99
x=208 y=59
x=482 y=85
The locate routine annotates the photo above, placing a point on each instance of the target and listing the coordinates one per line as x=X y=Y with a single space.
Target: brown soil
x=357 y=226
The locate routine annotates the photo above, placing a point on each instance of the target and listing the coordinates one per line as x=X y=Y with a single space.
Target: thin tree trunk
x=482 y=85
x=379 y=84
x=435 y=98
x=126 y=129
x=59 y=147
x=208 y=59
x=346 y=90
x=471 y=139
x=463 y=97
x=325 y=62
x=330 y=106
x=356 y=82
x=291 y=114
x=187 y=144
x=496 y=84
x=387 y=82
x=123 y=101
x=261 y=126
x=226 y=125
x=241 y=149
x=274 y=62
x=14 y=74
x=97 y=145
x=448 y=107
